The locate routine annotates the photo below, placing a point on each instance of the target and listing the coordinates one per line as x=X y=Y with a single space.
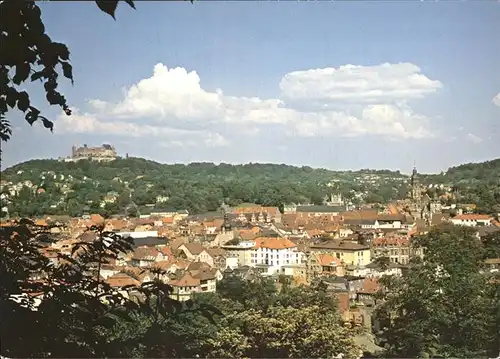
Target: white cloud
x=172 y=103
x=88 y=123
x=496 y=100
x=473 y=138
x=360 y=84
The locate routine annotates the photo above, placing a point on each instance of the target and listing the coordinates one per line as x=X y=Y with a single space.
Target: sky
x=338 y=85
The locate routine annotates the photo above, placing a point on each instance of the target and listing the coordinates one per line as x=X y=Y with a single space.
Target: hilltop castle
x=103 y=153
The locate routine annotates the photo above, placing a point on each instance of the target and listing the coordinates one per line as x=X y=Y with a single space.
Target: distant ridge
x=487 y=166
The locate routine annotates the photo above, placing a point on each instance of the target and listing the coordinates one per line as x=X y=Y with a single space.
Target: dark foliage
x=448 y=305
x=65 y=310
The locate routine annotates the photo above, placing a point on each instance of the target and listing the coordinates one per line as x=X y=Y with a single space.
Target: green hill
x=52 y=187
x=76 y=187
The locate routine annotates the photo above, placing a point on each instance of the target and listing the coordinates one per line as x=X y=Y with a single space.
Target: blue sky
x=341 y=85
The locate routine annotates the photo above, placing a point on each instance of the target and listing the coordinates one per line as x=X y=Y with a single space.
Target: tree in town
x=444 y=305
x=65 y=309
x=284 y=332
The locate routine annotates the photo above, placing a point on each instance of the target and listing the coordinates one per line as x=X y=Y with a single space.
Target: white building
x=472 y=220
x=275 y=253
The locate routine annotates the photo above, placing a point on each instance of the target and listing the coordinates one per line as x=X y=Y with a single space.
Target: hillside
x=69 y=187
x=51 y=187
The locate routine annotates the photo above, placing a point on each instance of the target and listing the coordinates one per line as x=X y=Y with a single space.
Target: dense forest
x=132 y=185
x=75 y=187
x=477 y=183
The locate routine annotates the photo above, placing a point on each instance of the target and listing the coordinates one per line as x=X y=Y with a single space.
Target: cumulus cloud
x=172 y=104
x=87 y=123
x=496 y=100
x=360 y=84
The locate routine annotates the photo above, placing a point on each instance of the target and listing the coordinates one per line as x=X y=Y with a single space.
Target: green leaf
x=108 y=6
x=22 y=73
x=23 y=101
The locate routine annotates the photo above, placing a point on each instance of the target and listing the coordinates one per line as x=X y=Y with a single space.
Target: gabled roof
x=145 y=253
x=390 y=241
x=472 y=217
x=216 y=252
x=274 y=243
x=204 y=273
x=321 y=209
x=187 y=280
x=340 y=245
x=121 y=280
x=369 y=286
x=327 y=259
x=193 y=248
x=97 y=219
x=149 y=241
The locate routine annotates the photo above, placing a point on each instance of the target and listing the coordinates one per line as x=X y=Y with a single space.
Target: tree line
x=77 y=187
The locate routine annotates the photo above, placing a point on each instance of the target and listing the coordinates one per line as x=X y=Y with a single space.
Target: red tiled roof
x=273 y=243
x=390 y=241
x=472 y=217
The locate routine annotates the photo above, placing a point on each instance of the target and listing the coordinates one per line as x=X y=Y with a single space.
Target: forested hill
x=74 y=188
x=479 y=171
x=469 y=173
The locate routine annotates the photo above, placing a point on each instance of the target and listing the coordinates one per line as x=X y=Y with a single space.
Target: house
x=323 y=264
x=308 y=211
x=242 y=272
x=146 y=256
x=199 y=280
x=348 y=252
x=219 y=257
x=207 y=276
x=108 y=270
x=297 y=271
x=344 y=232
x=380 y=221
x=140 y=274
x=195 y=252
x=349 y=284
x=366 y=294
x=242 y=250
x=472 y=220
x=115 y=225
x=184 y=287
x=389 y=221
x=275 y=252
x=258 y=214
x=492 y=264
x=397 y=249
x=121 y=279
x=375 y=270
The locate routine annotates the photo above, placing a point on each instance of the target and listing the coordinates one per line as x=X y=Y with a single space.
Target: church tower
x=415 y=187
x=416 y=195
